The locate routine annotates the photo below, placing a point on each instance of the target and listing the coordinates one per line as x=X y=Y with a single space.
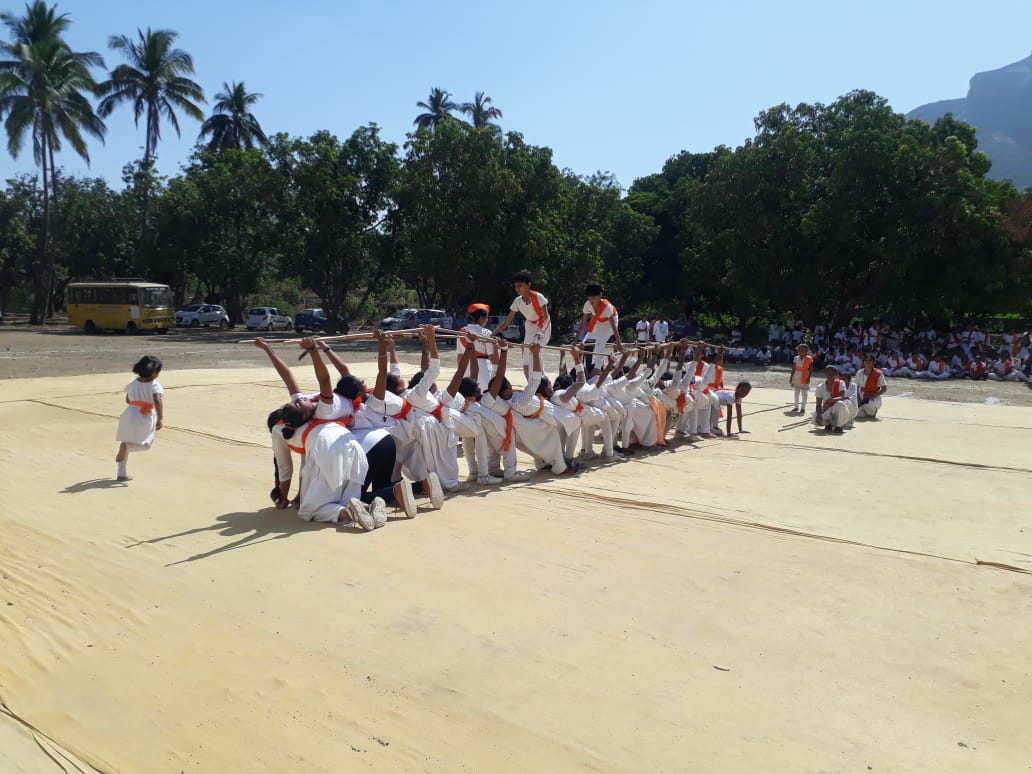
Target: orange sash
x=145 y=408
x=507 y=443
x=660 y=412
x=603 y=306
x=314 y=423
x=836 y=388
x=540 y=408
x=871 y=386
x=538 y=309
x=406 y=407
x=804 y=369
x=682 y=401
x=438 y=413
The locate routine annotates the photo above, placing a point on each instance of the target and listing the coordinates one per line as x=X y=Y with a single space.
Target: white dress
x=139 y=420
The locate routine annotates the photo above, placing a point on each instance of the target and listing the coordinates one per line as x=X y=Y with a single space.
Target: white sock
x=121 y=469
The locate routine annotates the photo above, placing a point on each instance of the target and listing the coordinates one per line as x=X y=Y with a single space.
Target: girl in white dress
x=143 y=415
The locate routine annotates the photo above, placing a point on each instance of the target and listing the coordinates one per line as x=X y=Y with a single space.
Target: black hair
x=667 y=376
x=349 y=387
x=506 y=385
x=274 y=417
x=626 y=369
x=542 y=385
x=522 y=276
x=467 y=387
x=746 y=385
x=417 y=377
x=478 y=314
x=394 y=382
x=292 y=419
x=562 y=382
x=593 y=289
x=147 y=367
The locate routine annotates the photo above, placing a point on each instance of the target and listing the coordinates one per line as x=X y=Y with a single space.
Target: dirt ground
x=784 y=601
x=60 y=350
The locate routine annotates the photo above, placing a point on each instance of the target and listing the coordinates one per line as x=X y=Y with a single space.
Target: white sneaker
x=489 y=480
x=436 y=493
x=518 y=476
x=378 y=510
x=404 y=499
x=462 y=486
x=360 y=515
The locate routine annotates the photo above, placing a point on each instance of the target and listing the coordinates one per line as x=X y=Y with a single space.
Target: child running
x=144 y=414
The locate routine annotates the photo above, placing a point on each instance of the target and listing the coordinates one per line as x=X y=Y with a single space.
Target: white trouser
x=932 y=375
x=701 y=413
x=469 y=427
x=592 y=417
x=837 y=415
x=1013 y=376
x=870 y=408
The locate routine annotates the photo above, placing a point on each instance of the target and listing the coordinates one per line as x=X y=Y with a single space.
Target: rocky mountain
x=999 y=105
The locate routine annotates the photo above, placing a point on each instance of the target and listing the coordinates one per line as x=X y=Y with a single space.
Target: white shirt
x=642 y=329
x=660 y=330
x=527 y=309
x=608 y=323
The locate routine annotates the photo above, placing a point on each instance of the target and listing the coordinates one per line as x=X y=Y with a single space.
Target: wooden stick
x=346 y=337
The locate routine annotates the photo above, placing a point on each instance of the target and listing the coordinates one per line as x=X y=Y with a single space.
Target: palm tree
x=482 y=112
x=154 y=82
x=41 y=93
x=438 y=106
x=231 y=125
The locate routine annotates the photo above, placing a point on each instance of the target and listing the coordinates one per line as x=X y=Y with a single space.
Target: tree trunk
x=39 y=274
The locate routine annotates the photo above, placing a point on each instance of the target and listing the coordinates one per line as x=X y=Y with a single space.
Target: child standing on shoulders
x=143 y=415
x=534 y=308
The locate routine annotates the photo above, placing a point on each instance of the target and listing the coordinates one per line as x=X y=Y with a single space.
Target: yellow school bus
x=129 y=305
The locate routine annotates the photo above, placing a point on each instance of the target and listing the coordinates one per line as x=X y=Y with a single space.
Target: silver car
x=202 y=315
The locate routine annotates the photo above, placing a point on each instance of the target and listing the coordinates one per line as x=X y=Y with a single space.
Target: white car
x=197 y=315
x=267 y=318
x=412 y=318
x=512 y=333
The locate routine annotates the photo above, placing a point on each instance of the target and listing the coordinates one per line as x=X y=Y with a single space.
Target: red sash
x=438 y=413
x=682 y=401
x=836 y=388
x=406 y=407
x=602 y=307
x=871 y=386
x=145 y=408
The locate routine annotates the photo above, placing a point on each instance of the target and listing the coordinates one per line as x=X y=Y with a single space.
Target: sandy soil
x=782 y=602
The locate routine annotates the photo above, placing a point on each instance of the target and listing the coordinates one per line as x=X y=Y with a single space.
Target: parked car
x=412 y=318
x=310 y=320
x=267 y=318
x=198 y=315
x=513 y=333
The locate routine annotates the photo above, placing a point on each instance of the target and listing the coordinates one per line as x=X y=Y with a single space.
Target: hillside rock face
x=999 y=105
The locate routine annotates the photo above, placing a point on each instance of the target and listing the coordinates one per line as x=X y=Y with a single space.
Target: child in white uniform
x=799 y=380
x=599 y=322
x=144 y=414
x=534 y=308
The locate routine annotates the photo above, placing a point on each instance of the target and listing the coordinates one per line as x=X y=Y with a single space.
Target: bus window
x=156 y=298
x=131 y=297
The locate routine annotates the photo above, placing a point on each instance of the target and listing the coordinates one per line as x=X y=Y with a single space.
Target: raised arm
x=380 y=388
x=460 y=371
x=496 y=384
x=322 y=374
x=281 y=368
x=339 y=364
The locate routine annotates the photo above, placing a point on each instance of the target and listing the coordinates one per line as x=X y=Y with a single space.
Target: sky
x=609 y=85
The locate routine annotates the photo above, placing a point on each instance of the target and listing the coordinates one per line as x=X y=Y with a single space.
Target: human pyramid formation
x=366 y=448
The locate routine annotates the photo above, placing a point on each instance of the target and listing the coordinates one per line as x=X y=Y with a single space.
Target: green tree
x=482 y=113
x=340 y=214
x=154 y=82
x=239 y=222
x=438 y=107
x=232 y=124
x=42 y=94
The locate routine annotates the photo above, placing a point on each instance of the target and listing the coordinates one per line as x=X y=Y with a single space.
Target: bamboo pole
x=344 y=337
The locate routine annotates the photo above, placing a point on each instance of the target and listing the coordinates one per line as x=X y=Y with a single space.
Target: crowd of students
x=963 y=352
